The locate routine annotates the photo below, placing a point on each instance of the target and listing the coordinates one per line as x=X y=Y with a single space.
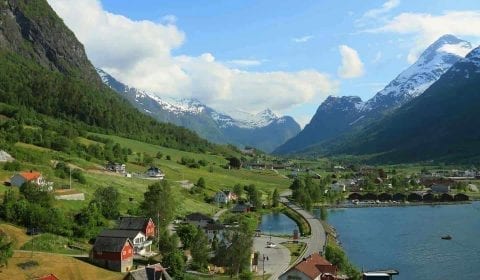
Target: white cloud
x=377 y=58
x=169 y=19
x=426 y=28
x=385 y=8
x=352 y=66
x=244 y=62
x=139 y=54
x=302 y=39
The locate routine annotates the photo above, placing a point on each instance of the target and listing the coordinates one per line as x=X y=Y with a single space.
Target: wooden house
x=145 y=225
x=114 y=253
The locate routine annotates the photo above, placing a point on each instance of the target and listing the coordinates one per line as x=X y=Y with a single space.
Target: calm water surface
x=277 y=223
x=408 y=239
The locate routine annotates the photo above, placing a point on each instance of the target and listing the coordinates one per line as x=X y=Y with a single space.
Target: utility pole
x=263 y=267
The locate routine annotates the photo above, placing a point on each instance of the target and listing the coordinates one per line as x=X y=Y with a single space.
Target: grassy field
x=132 y=189
x=52 y=243
x=62 y=266
x=295 y=250
x=16 y=234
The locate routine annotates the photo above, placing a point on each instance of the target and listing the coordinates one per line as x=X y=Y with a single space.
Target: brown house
x=114 y=253
x=311 y=267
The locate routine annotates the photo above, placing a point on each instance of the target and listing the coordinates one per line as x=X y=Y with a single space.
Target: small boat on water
x=446 y=237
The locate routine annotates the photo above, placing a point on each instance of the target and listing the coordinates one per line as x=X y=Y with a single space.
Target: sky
x=250 y=55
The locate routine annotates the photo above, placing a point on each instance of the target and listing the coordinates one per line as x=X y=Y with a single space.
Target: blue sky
x=286 y=55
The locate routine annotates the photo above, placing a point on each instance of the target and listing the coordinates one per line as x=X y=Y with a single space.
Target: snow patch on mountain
x=412 y=82
x=247 y=120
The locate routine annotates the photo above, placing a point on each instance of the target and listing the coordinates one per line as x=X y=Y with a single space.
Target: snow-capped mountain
x=263 y=130
x=412 y=82
x=338 y=115
x=440 y=124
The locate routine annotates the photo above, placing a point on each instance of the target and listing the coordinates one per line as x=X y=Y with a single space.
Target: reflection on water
x=277 y=223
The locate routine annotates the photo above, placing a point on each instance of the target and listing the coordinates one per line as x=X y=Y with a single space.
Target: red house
x=113 y=253
x=145 y=225
x=313 y=267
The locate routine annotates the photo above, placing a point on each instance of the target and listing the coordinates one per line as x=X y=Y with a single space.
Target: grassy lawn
x=62 y=266
x=52 y=243
x=295 y=250
x=16 y=234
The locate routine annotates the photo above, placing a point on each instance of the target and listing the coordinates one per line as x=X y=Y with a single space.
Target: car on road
x=271 y=244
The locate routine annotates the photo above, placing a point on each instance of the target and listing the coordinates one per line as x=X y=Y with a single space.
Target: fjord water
x=409 y=239
x=277 y=223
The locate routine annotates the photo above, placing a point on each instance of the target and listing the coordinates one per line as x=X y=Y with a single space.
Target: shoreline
x=402 y=204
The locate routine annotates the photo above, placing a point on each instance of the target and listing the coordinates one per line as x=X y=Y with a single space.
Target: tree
x=201 y=183
x=34 y=194
x=108 y=201
x=175 y=263
x=159 y=200
x=6 y=250
x=297 y=184
x=88 y=221
x=199 y=250
x=254 y=196
x=167 y=242
x=159 y=155
x=275 y=198
x=238 y=190
x=323 y=213
x=187 y=234
x=147 y=159
x=234 y=162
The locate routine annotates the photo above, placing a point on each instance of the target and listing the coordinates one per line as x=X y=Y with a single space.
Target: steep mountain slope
x=440 y=124
x=346 y=114
x=264 y=130
x=334 y=116
x=44 y=68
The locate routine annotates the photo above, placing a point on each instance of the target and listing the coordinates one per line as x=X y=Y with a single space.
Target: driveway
x=278 y=257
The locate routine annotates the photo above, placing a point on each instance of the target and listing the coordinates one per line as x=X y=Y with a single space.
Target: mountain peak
x=447 y=44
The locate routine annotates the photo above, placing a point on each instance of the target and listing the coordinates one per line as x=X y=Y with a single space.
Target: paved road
x=219 y=213
x=278 y=257
x=316 y=241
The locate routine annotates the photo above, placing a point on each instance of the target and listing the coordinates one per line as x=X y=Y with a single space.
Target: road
x=316 y=241
x=278 y=257
x=219 y=213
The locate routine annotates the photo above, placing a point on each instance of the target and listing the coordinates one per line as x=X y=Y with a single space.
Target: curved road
x=317 y=240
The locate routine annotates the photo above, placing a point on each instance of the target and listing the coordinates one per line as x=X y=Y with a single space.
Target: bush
x=12 y=166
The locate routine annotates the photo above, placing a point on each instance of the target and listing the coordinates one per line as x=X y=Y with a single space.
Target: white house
x=116 y=167
x=155 y=172
x=214 y=230
x=141 y=243
x=338 y=187
x=224 y=197
x=34 y=177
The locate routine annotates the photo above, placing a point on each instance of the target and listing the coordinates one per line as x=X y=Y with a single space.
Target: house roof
x=155 y=169
x=29 y=176
x=110 y=244
x=130 y=234
x=133 y=223
x=241 y=207
x=214 y=226
x=197 y=217
x=149 y=272
x=48 y=277
x=315 y=265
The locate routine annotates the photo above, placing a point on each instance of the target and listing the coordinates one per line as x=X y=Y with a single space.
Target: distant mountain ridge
x=441 y=124
x=339 y=115
x=264 y=130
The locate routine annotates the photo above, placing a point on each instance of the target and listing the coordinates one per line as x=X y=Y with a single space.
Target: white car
x=271 y=245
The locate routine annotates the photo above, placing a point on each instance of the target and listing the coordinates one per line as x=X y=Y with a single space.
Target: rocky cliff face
x=32 y=29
